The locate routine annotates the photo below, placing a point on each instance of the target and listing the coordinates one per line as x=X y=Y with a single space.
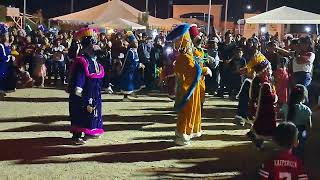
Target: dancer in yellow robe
x=198 y=55
x=188 y=73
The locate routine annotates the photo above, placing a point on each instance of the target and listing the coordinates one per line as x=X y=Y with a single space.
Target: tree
x=39 y=15
x=143 y=19
x=3 y=13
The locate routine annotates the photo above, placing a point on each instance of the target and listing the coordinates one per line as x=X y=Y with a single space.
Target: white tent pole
x=267 y=8
x=24 y=13
x=147 y=4
x=155 y=8
x=317 y=27
x=72 y=5
x=226 y=16
x=209 y=18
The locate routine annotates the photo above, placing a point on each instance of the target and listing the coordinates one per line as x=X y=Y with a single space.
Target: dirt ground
x=35 y=142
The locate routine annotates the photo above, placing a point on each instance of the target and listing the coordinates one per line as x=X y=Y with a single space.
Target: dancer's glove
x=11 y=58
x=209 y=72
x=78 y=91
x=142 y=66
x=90 y=109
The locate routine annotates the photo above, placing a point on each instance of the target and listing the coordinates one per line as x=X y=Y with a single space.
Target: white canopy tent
x=110 y=11
x=285 y=15
x=119 y=23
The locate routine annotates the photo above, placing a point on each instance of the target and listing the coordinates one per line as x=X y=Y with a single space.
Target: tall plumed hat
x=87 y=36
x=131 y=37
x=86 y=32
x=193 y=30
x=178 y=32
x=3 y=29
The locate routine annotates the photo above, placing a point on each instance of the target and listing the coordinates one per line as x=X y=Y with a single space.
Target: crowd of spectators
x=42 y=58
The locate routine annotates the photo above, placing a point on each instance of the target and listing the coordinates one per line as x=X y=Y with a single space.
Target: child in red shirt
x=284 y=165
x=282 y=81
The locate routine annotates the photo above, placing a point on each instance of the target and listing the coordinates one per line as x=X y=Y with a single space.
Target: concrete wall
x=179 y=10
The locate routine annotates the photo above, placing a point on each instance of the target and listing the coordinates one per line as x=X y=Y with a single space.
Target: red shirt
x=282 y=84
x=285 y=166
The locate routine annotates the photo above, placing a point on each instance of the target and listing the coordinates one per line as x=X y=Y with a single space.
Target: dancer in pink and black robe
x=85 y=93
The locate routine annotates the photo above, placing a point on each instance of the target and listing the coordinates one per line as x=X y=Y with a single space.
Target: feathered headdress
x=194 y=32
x=131 y=37
x=86 y=32
x=178 y=32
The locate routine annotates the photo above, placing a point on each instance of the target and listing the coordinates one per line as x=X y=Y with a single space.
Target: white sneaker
x=79 y=141
x=87 y=137
x=2 y=93
x=183 y=136
x=239 y=120
x=172 y=97
x=2 y=97
x=134 y=95
x=11 y=90
x=181 y=142
x=126 y=100
x=250 y=122
x=109 y=90
x=197 y=135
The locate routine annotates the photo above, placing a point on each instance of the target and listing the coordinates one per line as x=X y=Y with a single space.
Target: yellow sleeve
x=204 y=70
x=185 y=70
x=185 y=65
x=254 y=61
x=250 y=66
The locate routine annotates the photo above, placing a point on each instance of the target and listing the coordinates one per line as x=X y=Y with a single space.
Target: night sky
x=52 y=8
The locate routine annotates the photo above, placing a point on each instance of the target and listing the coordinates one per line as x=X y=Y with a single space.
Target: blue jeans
x=49 y=65
x=59 y=70
x=235 y=84
x=303 y=78
x=302 y=137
